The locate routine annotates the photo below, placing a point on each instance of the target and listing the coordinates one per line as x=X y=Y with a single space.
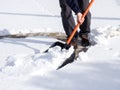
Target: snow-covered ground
x=24 y=66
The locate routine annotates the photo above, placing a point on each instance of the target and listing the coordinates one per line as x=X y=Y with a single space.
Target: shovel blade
x=68 y=60
x=73 y=56
x=62 y=45
x=55 y=44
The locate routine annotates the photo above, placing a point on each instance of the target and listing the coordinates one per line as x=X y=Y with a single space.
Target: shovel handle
x=78 y=24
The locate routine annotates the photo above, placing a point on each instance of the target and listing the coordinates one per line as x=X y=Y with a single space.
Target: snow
x=24 y=66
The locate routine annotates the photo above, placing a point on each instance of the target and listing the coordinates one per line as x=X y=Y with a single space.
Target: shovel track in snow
x=57 y=35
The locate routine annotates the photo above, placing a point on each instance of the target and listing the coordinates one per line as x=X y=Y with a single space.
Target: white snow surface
x=24 y=66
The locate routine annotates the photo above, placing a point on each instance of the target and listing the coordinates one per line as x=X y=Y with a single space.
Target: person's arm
x=75 y=7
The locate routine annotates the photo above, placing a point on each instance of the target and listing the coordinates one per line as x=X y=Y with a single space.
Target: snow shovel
x=67 y=44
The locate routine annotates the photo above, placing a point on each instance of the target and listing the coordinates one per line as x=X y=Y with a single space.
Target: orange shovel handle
x=77 y=26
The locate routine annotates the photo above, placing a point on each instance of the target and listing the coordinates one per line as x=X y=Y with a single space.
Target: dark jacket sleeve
x=74 y=5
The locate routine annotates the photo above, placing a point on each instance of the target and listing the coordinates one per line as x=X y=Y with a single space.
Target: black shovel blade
x=55 y=44
x=73 y=56
x=68 y=60
x=62 y=45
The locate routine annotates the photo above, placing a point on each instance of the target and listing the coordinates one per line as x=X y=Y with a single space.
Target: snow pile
x=40 y=63
x=102 y=34
x=4 y=32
